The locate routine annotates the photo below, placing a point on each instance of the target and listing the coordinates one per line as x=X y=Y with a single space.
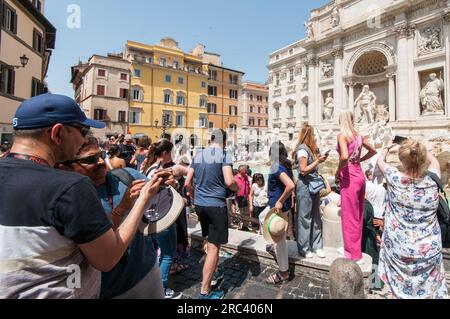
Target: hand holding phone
x=399 y=140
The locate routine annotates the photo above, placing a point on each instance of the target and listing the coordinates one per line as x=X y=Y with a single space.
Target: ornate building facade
x=102 y=88
x=27 y=40
x=253 y=115
x=386 y=61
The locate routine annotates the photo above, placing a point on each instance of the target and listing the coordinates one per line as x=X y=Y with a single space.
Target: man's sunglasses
x=84 y=130
x=90 y=160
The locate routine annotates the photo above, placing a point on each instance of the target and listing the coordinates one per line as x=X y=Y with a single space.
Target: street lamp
x=165 y=124
x=24 y=61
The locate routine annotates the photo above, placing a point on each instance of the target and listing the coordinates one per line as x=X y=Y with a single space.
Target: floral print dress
x=411 y=262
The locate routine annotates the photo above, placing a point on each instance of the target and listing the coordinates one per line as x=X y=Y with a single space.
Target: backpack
x=443 y=212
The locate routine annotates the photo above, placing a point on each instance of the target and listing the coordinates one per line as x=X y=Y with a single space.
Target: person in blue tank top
x=280 y=189
x=141 y=152
x=137 y=275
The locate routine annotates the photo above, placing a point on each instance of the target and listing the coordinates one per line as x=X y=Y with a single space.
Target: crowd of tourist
x=71 y=199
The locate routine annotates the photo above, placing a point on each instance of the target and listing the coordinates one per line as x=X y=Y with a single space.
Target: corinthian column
x=392 y=102
x=338 y=54
x=313 y=103
x=446 y=18
x=406 y=109
x=351 y=96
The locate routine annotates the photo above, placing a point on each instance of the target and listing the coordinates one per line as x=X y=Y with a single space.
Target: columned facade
x=396 y=62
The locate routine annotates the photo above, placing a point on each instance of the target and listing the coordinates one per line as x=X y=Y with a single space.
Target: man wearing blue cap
x=54 y=235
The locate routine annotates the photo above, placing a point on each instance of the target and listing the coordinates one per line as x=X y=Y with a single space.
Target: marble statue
x=430 y=40
x=430 y=96
x=325 y=139
x=327 y=70
x=335 y=21
x=366 y=102
x=381 y=134
x=381 y=114
x=309 y=30
x=328 y=108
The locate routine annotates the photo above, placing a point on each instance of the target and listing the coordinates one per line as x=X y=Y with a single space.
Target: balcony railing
x=291 y=122
x=187 y=68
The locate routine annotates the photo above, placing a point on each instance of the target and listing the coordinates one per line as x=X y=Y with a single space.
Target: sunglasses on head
x=90 y=160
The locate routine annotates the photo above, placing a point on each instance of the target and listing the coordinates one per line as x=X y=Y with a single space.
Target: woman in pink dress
x=352 y=181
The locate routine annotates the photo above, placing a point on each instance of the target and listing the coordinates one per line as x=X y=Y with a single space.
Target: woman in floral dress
x=411 y=262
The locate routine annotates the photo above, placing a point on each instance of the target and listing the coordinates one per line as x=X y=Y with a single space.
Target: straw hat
x=161 y=211
x=275 y=226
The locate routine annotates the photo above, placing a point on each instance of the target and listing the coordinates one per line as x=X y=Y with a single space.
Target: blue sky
x=244 y=32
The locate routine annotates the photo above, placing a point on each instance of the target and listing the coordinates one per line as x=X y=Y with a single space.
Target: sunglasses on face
x=90 y=160
x=84 y=130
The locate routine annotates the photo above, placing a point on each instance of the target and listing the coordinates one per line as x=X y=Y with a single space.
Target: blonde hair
x=347 y=128
x=413 y=156
x=306 y=137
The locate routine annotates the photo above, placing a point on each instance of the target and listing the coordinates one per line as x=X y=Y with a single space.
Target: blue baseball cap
x=49 y=109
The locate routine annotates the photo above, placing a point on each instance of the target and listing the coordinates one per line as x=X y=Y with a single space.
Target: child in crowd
x=258 y=198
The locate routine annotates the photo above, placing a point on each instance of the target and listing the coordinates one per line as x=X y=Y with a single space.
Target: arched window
x=137 y=93
x=181 y=98
x=168 y=96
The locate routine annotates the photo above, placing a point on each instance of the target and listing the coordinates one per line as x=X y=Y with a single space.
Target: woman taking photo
x=352 y=182
x=280 y=188
x=309 y=220
x=411 y=262
x=159 y=157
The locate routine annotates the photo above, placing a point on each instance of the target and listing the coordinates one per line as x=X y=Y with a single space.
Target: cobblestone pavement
x=244 y=279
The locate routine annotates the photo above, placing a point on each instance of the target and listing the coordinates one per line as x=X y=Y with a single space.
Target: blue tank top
x=139 y=160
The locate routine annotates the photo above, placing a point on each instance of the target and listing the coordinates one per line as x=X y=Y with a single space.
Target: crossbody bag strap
x=439 y=184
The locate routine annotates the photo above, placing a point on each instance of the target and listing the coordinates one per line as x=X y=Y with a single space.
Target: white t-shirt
x=331 y=198
x=302 y=153
x=260 y=197
x=376 y=195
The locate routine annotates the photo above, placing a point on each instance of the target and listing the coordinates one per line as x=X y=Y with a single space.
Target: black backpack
x=443 y=212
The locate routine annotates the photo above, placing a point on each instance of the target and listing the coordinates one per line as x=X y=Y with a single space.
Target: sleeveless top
x=140 y=158
x=314 y=173
x=108 y=163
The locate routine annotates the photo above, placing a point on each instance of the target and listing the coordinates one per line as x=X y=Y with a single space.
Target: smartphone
x=399 y=140
x=328 y=153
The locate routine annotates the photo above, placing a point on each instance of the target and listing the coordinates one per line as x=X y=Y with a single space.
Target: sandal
x=277 y=279
x=178 y=268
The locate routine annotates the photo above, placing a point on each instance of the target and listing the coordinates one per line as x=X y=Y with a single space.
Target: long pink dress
x=353 y=189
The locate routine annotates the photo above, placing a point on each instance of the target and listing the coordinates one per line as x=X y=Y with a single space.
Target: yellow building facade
x=168 y=92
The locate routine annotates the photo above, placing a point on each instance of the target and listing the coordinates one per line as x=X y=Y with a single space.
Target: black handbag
x=242 y=201
x=443 y=212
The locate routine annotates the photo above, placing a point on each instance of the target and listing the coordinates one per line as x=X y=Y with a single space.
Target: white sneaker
x=341 y=251
x=170 y=294
x=320 y=253
x=309 y=255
